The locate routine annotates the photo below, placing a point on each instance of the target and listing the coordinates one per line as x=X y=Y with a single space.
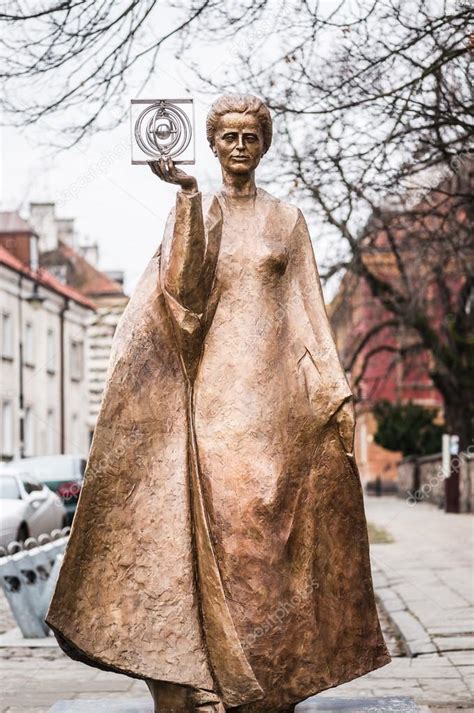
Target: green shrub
x=408 y=428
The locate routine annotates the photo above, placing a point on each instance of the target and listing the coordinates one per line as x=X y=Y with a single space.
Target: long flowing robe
x=220 y=540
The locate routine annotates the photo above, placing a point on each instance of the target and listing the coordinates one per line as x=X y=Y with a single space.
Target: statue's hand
x=345 y=423
x=167 y=171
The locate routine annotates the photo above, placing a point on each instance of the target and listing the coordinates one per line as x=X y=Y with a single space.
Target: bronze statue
x=220 y=550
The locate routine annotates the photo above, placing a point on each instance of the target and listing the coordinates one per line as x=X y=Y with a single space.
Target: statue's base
x=105 y=705
x=392 y=704
x=382 y=704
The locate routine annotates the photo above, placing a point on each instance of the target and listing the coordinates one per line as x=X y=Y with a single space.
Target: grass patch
x=378 y=535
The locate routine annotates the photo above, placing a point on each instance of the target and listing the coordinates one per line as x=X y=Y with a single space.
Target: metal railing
x=28 y=575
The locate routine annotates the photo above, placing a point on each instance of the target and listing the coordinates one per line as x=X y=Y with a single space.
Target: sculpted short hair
x=244 y=104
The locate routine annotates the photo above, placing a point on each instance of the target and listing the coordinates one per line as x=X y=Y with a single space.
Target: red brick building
x=376 y=375
x=423 y=253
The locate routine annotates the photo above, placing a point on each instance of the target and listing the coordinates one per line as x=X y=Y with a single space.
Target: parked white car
x=28 y=508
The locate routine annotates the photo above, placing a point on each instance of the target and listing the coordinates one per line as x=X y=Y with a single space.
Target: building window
x=77 y=361
x=50 y=352
x=75 y=435
x=7 y=429
x=29 y=427
x=7 y=336
x=29 y=353
x=50 y=433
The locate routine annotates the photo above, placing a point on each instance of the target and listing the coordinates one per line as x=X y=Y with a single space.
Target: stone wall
x=432 y=479
x=466 y=484
x=421 y=480
x=405 y=479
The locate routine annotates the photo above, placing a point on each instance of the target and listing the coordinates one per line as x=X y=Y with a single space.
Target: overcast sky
x=122 y=207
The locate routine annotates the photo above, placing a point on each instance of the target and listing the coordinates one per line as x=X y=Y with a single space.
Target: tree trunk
x=459 y=418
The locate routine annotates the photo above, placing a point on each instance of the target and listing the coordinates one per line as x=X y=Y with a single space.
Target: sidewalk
x=423 y=578
x=426 y=578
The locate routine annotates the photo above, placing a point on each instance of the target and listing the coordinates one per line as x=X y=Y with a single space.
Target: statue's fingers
x=174 y=173
x=164 y=170
x=158 y=172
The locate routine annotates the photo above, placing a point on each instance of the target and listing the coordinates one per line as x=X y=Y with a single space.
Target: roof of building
x=82 y=275
x=44 y=278
x=12 y=222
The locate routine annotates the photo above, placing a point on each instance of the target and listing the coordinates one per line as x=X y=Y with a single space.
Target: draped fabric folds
x=220 y=539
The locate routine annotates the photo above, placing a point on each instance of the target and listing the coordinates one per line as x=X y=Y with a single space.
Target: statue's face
x=238 y=142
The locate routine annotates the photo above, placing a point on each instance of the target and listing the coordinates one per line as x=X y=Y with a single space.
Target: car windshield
x=48 y=469
x=9 y=489
x=32 y=485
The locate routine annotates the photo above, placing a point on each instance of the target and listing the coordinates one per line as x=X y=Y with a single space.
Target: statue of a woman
x=219 y=550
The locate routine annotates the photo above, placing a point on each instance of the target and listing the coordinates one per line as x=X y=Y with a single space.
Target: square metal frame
x=188 y=162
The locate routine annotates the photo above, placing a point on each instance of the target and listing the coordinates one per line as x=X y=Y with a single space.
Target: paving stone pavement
x=391 y=704
x=423 y=578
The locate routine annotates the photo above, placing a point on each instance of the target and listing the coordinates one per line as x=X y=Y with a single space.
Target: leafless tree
x=77 y=59
x=375 y=130
x=373 y=104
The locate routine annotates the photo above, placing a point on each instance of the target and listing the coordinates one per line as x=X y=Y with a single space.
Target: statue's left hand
x=167 y=171
x=345 y=423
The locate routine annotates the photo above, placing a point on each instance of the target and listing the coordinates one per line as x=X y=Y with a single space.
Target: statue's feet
x=207 y=702
x=240 y=709
x=172 y=698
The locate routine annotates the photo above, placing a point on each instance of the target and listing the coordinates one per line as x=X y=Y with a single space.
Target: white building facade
x=76 y=264
x=43 y=343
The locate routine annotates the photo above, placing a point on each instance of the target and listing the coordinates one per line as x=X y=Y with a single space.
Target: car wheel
x=23 y=533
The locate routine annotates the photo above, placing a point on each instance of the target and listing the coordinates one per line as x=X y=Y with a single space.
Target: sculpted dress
x=220 y=539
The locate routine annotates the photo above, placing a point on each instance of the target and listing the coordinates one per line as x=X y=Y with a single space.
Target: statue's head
x=239 y=131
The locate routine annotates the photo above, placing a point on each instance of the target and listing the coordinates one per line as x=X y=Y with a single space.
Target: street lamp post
x=451 y=472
